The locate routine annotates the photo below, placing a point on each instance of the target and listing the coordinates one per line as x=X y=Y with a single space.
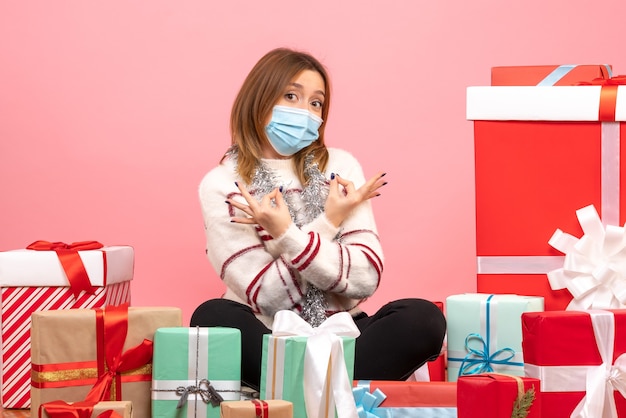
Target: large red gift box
x=541 y=153
x=493 y=395
x=576 y=355
x=547 y=75
x=36 y=280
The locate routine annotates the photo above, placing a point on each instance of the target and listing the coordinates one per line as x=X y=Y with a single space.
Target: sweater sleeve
x=348 y=263
x=236 y=251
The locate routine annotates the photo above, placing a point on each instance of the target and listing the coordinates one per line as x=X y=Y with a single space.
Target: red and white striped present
x=32 y=280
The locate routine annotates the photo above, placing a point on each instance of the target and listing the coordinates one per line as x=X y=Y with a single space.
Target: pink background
x=112 y=111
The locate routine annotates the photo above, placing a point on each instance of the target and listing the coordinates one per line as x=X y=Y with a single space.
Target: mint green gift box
x=282 y=369
x=186 y=358
x=485 y=332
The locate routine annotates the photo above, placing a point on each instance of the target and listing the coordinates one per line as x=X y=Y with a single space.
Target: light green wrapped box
x=184 y=360
x=282 y=369
x=485 y=332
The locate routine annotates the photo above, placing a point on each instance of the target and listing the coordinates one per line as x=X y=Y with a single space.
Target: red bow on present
x=111 y=330
x=608 y=95
x=62 y=409
x=71 y=262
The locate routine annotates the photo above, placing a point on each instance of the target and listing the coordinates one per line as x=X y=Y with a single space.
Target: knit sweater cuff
x=323 y=227
x=292 y=242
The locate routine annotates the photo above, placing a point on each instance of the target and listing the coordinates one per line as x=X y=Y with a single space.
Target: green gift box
x=283 y=368
x=485 y=333
x=189 y=365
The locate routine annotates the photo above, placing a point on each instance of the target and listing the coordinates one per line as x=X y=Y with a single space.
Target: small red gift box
x=547 y=75
x=576 y=354
x=541 y=153
x=493 y=395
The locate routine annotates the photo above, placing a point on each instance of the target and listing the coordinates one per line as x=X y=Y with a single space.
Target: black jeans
x=394 y=342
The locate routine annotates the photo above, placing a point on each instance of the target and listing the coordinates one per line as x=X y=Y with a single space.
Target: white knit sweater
x=271 y=273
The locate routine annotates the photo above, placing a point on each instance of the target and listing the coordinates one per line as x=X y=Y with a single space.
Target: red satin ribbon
x=261 y=408
x=608 y=95
x=71 y=262
x=62 y=409
x=111 y=330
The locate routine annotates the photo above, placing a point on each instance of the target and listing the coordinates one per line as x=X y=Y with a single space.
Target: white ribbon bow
x=594 y=270
x=323 y=355
x=602 y=380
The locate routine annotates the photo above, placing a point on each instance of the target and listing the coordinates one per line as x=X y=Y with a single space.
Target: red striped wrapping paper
x=33 y=281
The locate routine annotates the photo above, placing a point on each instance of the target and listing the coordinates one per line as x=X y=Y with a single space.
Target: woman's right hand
x=271 y=213
x=343 y=200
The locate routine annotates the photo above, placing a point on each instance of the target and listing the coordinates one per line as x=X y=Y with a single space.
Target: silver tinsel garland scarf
x=313 y=196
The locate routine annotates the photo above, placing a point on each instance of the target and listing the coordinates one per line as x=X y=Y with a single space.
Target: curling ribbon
x=367 y=402
x=111 y=330
x=326 y=379
x=71 y=262
x=62 y=409
x=594 y=270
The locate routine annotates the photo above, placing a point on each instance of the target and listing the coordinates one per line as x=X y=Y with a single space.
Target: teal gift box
x=189 y=364
x=485 y=333
x=283 y=368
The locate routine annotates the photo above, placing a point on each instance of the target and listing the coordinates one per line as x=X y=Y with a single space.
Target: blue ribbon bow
x=366 y=402
x=480 y=360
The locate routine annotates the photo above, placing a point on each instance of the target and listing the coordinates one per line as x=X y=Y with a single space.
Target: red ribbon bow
x=608 y=95
x=62 y=409
x=111 y=330
x=71 y=262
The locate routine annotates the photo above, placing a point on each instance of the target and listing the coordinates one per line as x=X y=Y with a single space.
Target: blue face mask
x=292 y=129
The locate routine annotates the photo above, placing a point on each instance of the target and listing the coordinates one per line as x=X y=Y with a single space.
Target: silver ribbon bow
x=207 y=393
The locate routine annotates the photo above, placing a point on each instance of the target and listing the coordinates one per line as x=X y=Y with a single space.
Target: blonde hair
x=260 y=91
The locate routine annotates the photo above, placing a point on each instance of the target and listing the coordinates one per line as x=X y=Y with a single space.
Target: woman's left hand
x=271 y=213
x=341 y=201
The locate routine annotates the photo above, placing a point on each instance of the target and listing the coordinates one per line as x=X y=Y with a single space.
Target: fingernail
x=236 y=184
x=280 y=189
x=227 y=202
x=378 y=195
x=384 y=183
x=332 y=176
x=383 y=175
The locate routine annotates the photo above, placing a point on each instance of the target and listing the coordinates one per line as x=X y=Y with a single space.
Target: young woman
x=289 y=225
